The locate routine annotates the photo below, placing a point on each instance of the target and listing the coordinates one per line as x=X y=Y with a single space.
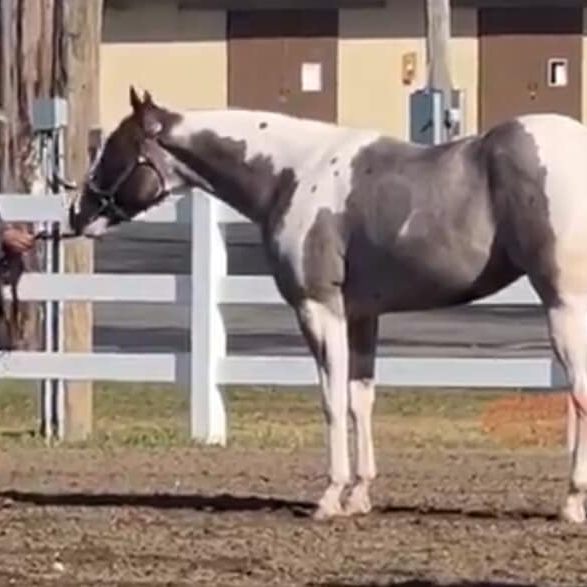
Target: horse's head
x=132 y=172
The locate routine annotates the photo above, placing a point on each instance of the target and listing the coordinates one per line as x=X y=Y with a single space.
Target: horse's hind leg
x=568 y=331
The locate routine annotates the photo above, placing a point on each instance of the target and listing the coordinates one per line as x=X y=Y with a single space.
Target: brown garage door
x=530 y=61
x=284 y=61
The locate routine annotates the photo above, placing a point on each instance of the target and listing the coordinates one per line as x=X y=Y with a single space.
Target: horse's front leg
x=362 y=344
x=325 y=329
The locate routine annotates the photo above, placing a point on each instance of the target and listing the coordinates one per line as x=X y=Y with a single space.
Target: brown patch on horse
x=253 y=187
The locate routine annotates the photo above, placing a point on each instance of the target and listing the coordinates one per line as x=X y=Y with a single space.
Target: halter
x=106 y=197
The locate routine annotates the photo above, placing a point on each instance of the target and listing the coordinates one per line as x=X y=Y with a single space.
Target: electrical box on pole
x=436 y=111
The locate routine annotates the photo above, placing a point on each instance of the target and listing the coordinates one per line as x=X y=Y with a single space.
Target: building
x=350 y=61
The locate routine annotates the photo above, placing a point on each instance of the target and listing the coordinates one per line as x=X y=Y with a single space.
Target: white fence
x=208 y=288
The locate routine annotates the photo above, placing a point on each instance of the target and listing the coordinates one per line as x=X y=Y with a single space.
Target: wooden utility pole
x=437 y=49
x=50 y=48
x=77 y=65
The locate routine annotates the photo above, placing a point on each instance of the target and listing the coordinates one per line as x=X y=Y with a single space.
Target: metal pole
x=47 y=384
x=58 y=267
x=437 y=50
x=49 y=120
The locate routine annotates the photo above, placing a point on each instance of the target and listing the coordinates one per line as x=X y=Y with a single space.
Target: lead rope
x=44 y=235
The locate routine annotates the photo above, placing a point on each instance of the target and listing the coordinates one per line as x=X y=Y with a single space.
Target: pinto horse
x=356 y=224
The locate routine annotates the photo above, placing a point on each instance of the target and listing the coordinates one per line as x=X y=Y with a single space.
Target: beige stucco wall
x=372 y=42
x=371 y=92
x=179 y=55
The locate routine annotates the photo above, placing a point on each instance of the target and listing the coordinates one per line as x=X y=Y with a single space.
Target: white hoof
x=329 y=505
x=574 y=509
x=327 y=513
x=358 y=502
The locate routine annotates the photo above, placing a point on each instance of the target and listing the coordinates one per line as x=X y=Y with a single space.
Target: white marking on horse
x=404 y=230
x=326 y=185
x=286 y=140
x=562 y=148
x=96 y=228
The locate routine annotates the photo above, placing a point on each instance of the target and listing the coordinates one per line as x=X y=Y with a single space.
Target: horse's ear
x=147 y=98
x=135 y=101
x=145 y=112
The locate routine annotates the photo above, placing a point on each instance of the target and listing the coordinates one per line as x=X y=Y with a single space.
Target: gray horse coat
x=356 y=224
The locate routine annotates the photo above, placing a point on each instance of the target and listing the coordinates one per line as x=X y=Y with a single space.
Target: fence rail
x=206 y=290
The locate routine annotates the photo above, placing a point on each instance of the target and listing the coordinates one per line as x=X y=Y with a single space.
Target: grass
x=147 y=415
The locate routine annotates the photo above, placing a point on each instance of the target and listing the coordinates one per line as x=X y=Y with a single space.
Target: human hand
x=17 y=240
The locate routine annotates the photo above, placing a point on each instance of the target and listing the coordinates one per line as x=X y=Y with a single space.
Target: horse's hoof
x=357 y=508
x=330 y=505
x=327 y=510
x=574 y=510
x=358 y=503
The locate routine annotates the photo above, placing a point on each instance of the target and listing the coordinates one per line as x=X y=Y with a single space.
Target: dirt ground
x=467 y=494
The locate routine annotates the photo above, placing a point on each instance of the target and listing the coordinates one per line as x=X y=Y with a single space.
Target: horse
x=356 y=224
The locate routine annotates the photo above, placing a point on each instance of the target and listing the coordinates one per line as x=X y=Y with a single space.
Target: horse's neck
x=246 y=156
x=288 y=140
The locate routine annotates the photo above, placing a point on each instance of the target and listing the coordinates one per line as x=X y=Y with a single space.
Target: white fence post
x=208 y=336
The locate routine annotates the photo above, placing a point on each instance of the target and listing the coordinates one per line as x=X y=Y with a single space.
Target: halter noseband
x=106 y=197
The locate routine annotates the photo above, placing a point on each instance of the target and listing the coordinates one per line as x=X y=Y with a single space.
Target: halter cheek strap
x=106 y=197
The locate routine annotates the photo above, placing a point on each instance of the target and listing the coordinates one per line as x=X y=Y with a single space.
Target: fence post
x=208 y=336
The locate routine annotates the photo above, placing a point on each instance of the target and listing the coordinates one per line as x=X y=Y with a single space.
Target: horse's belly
x=411 y=292
x=392 y=281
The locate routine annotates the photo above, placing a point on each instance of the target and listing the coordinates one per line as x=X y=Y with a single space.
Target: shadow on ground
x=219 y=503
x=226 y=502
x=481 y=513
